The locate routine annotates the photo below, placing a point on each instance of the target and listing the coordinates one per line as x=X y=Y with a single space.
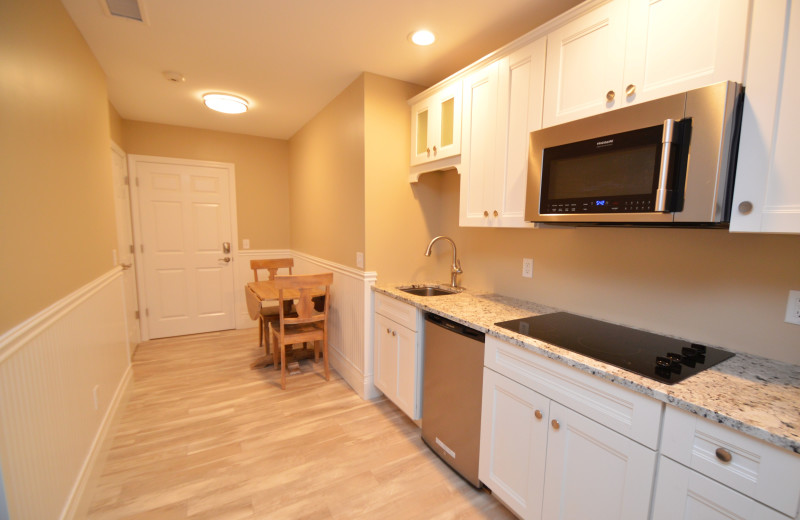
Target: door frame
x=133 y=161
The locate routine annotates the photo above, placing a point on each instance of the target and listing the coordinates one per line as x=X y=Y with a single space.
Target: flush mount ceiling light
x=422 y=37
x=225 y=103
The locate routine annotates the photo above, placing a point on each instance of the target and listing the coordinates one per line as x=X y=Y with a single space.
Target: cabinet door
x=594 y=472
x=422 y=115
x=513 y=443
x=766 y=196
x=436 y=126
x=385 y=363
x=519 y=108
x=585 y=64
x=408 y=372
x=685 y=494
x=447 y=141
x=478 y=163
x=679 y=45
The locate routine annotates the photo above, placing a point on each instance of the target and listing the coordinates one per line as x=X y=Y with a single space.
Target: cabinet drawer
x=756 y=469
x=685 y=494
x=634 y=415
x=397 y=311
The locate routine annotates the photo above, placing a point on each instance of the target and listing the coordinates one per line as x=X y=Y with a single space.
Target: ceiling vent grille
x=129 y=9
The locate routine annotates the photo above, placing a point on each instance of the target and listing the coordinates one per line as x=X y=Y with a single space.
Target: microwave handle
x=667 y=139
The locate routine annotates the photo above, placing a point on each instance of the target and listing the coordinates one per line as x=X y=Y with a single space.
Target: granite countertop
x=752 y=394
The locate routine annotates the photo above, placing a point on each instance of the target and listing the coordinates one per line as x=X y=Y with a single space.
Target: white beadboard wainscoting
x=63 y=373
x=350 y=325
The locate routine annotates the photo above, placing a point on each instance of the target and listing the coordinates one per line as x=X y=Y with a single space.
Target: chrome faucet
x=455 y=269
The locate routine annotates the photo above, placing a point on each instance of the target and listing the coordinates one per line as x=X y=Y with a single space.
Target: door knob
x=226 y=259
x=125 y=267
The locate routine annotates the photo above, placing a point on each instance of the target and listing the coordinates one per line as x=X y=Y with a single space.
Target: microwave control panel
x=614 y=205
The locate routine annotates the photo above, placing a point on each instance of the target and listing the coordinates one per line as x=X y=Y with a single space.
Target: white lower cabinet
x=545 y=460
x=684 y=494
x=398 y=354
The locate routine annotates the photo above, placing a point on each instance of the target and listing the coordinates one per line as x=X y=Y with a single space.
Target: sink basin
x=428 y=290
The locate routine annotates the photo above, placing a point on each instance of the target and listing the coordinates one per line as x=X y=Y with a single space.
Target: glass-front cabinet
x=436 y=125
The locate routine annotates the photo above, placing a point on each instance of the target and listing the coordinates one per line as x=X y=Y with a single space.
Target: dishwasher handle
x=456 y=327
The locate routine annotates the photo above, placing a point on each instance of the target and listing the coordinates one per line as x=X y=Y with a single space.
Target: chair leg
x=260 y=330
x=283 y=367
x=316 y=351
x=325 y=354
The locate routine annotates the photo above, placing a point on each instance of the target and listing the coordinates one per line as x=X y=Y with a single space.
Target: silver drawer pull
x=724 y=455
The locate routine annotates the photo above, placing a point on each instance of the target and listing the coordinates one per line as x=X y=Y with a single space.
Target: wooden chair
x=306 y=324
x=270 y=312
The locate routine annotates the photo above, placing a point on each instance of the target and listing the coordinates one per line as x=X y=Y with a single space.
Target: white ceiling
x=288 y=58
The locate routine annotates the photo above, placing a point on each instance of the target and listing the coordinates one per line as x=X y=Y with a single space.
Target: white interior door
x=187 y=234
x=125 y=257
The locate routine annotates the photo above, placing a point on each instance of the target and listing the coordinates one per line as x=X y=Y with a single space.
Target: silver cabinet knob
x=610 y=95
x=435 y=150
x=724 y=455
x=388 y=331
x=429 y=151
x=538 y=414
x=555 y=424
x=745 y=207
x=630 y=90
x=495 y=213
x=394 y=333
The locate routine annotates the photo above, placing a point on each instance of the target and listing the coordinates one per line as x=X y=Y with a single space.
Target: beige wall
x=706 y=285
x=262 y=172
x=327 y=180
x=114 y=124
x=401 y=218
x=57 y=225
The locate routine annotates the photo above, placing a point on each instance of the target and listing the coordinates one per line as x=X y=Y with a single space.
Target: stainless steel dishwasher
x=452 y=384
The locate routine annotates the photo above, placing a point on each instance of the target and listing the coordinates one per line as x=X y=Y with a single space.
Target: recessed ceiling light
x=225 y=103
x=422 y=37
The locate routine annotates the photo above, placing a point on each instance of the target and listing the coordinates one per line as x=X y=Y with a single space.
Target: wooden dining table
x=264 y=293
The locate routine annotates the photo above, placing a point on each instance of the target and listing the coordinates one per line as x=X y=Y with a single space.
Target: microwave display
x=610 y=174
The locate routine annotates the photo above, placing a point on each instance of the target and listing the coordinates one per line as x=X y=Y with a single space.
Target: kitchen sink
x=428 y=290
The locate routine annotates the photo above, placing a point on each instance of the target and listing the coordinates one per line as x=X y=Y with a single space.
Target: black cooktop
x=664 y=359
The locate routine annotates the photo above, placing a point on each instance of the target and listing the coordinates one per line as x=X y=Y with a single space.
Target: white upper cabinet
x=502 y=105
x=766 y=196
x=585 y=63
x=629 y=51
x=436 y=126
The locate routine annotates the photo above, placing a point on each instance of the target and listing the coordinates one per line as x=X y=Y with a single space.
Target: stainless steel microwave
x=670 y=161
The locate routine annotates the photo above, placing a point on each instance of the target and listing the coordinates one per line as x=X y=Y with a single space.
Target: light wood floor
x=203 y=436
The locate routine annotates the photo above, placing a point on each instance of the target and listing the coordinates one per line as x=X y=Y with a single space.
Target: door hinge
x=137 y=182
x=141 y=248
x=147 y=312
x=132 y=249
x=136 y=315
x=127 y=180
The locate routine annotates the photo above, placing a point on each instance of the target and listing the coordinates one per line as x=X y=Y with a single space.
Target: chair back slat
x=272 y=265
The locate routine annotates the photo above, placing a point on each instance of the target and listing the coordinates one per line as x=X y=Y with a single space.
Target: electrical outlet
x=360 y=260
x=793 y=308
x=527 y=267
x=245 y=243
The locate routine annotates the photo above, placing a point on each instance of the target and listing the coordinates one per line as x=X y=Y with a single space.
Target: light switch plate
x=793 y=308
x=245 y=243
x=360 y=260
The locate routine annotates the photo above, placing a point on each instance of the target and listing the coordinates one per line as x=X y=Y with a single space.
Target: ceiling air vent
x=129 y=9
